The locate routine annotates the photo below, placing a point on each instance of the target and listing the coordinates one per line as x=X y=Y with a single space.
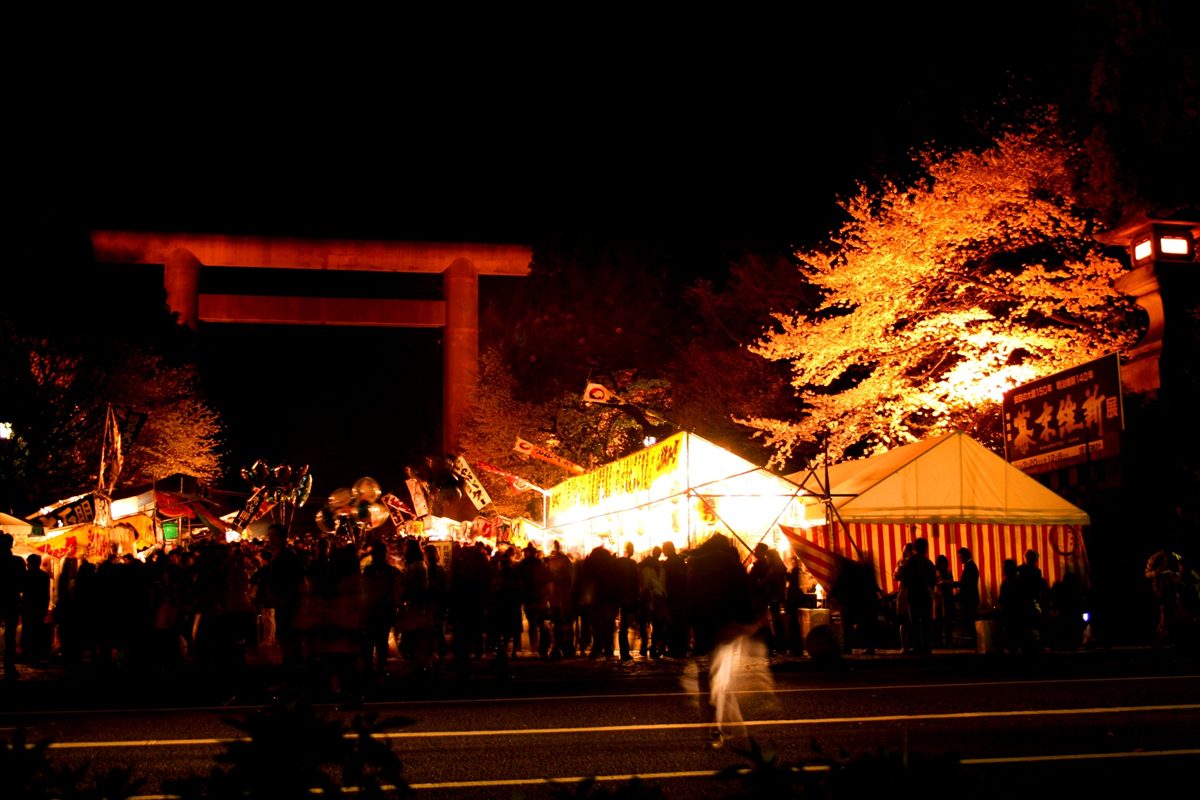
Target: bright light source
x=6 y=431
x=1142 y=250
x=1173 y=245
x=649 y=440
x=1087 y=617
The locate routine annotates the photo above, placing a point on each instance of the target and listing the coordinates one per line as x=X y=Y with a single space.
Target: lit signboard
x=1067 y=418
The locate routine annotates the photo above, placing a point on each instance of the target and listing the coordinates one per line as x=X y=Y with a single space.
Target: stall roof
x=949 y=478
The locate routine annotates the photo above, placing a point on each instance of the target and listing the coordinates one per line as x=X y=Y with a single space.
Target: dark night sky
x=702 y=134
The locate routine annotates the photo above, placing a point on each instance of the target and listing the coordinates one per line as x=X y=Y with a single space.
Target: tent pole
x=832 y=515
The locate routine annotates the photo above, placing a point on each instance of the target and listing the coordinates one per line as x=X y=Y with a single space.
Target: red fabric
x=822 y=562
x=1060 y=548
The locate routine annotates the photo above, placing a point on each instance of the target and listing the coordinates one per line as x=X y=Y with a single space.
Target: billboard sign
x=1071 y=417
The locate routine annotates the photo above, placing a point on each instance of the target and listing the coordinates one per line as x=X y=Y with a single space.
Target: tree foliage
x=585 y=434
x=78 y=338
x=61 y=392
x=939 y=295
x=490 y=429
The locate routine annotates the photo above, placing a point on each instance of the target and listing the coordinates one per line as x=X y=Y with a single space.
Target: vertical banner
x=471 y=485
x=256 y=507
x=417 y=492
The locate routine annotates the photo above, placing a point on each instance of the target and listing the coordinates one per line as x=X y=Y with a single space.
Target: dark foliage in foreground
x=885 y=773
x=28 y=774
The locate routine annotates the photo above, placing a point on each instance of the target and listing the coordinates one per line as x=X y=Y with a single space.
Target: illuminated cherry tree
x=940 y=295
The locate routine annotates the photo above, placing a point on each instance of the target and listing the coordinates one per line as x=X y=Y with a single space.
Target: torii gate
x=183 y=254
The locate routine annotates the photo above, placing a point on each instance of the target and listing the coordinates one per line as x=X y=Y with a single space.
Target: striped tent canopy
x=952 y=491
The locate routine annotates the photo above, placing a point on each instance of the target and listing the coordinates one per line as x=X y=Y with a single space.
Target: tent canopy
x=949 y=478
x=682 y=489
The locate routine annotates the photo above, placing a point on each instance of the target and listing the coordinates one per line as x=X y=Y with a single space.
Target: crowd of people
x=320 y=600
x=345 y=608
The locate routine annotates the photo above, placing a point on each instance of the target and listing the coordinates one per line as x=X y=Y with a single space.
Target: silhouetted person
x=903 y=617
x=652 y=604
x=1035 y=596
x=719 y=593
x=286 y=585
x=35 y=605
x=561 y=572
x=721 y=611
x=678 y=634
x=597 y=578
x=439 y=588
x=535 y=600
x=381 y=589
x=625 y=574
x=943 y=602
x=919 y=579
x=968 y=591
x=1014 y=618
x=12 y=581
x=1065 y=615
x=470 y=583
x=856 y=594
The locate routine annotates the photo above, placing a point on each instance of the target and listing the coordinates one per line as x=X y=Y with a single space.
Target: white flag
x=471 y=486
x=596 y=393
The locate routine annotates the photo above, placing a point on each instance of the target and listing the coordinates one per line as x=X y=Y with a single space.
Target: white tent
x=682 y=489
x=952 y=491
x=949 y=478
x=21 y=531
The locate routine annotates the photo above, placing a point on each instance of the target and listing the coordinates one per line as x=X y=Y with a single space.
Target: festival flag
x=515 y=482
x=542 y=454
x=822 y=563
x=416 y=490
x=110 y=455
x=596 y=393
x=256 y=508
x=397 y=509
x=471 y=485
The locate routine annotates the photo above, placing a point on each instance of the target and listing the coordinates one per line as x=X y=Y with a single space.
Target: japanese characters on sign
x=471 y=486
x=72 y=512
x=417 y=492
x=1066 y=418
x=631 y=475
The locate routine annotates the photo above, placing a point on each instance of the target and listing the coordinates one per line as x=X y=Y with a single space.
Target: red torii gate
x=460 y=264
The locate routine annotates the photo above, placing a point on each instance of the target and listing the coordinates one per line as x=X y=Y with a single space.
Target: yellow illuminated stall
x=682 y=490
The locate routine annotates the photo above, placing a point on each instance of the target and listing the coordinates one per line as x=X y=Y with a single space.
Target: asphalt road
x=961 y=724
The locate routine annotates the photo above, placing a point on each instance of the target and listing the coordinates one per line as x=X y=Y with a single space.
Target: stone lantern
x=1164 y=282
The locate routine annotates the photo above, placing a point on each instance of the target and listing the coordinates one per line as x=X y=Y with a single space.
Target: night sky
x=705 y=135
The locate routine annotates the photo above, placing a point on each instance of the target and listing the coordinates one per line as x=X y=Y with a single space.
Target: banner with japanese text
x=1067 y=418
x=630 y=475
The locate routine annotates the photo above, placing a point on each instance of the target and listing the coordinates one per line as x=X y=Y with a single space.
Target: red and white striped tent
x=954 y=492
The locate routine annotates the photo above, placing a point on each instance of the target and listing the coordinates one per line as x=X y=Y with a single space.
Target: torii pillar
x=460 y=264
x=460 y=347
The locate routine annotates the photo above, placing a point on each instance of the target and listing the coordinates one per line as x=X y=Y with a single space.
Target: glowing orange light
x=1142 y=250
x=1173 y=245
